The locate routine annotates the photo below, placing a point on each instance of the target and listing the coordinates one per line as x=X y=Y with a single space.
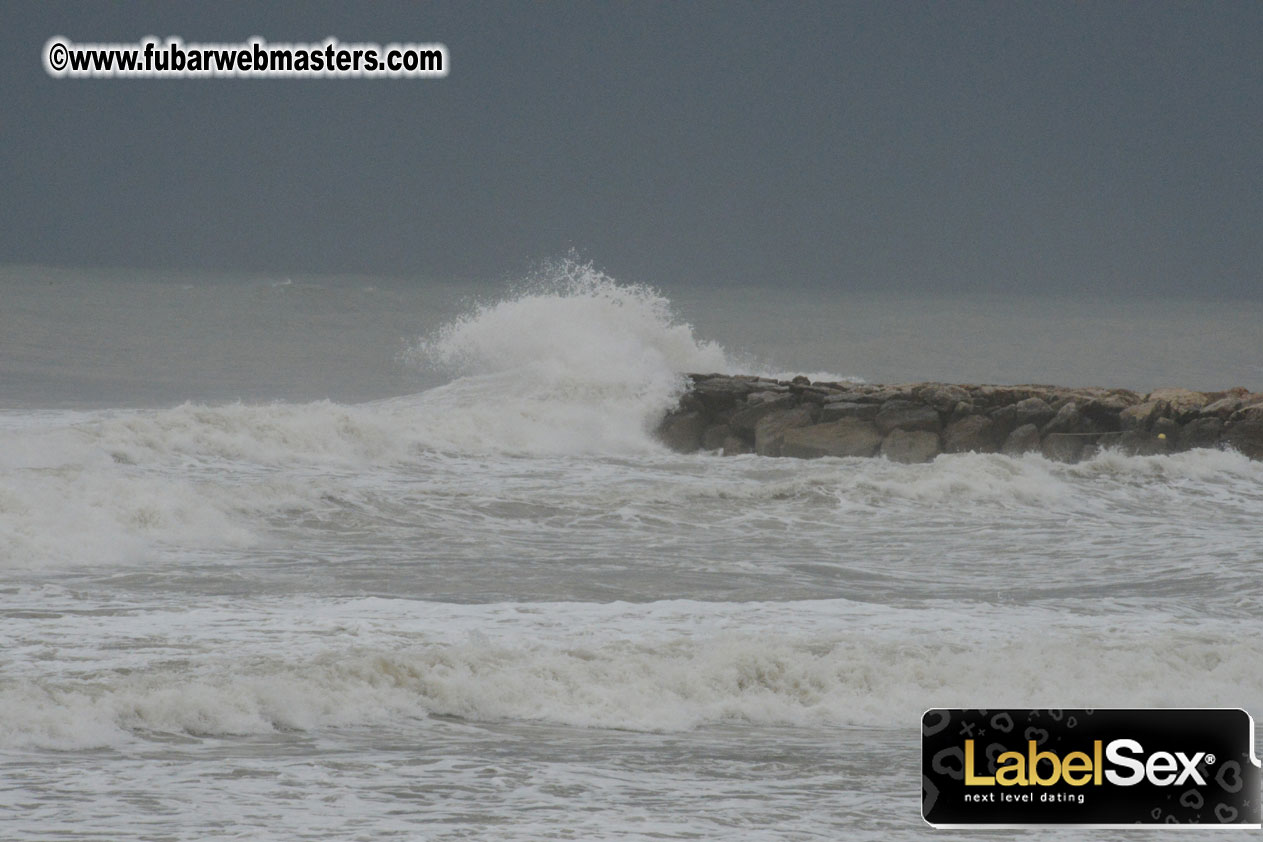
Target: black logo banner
x=1102 y=767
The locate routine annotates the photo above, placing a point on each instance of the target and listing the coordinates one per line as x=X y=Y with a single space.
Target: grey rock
x=1201 y=432
x=690 y=403
x=973 y=433
x=1249 y=412
x=765 y=396
x=1104 y=409
x=1005 y=419
x=758 y=406
x=910 y=446
x=941 y=396
x=735 y=446
x=1032 y=411
x=1061 y=397
x=714 y=435
x=770 y=431
x=908 y=416
x=880 y=394
x=1024 y=439
x=682 y=431
x=844 y=437
x=719 y=393
x=1182 y=404
x=818 y=394
x=1223 y=407
x=833 y=410
x=1067 y=420
x=1139 y=416
x=1244 y=431
x=993 y=397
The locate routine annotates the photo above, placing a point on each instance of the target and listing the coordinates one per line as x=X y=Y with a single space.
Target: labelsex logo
x=1089 y=766
x=1078 y=769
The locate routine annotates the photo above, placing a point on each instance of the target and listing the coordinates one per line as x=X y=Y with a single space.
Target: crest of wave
x=573 y=362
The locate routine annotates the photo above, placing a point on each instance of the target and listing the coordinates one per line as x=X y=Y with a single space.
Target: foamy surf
x=466 y=610
x=663 y=667
x=572 y=363
x=138 y=487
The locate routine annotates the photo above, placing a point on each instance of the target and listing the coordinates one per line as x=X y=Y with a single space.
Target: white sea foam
x=67 y=498
x=573 y=363
x=664 y=667
x=122 y=487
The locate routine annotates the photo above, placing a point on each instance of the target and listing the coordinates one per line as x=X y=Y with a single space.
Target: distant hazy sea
x=355 y=558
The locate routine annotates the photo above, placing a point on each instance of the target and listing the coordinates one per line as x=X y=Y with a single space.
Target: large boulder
x=907 y=415
x=994 y=397
x=1244 y=430
x=1139 y=416
x=1201 y=432
x=942 y=396
x=1104 y=409
x=682 y=431
x=811 y=392
x=1032 y=411
x=1182 y=404
x=758 y=406
x=880 y=394
x=770 y=431
x=1022 y=440
x=1067 y=420
x=1005 y=420
x=910 y=446
x=718 y=392
x=844 y=437
x=713 y=437
x=973 y=433
x=835 y=409
x=1223 y=407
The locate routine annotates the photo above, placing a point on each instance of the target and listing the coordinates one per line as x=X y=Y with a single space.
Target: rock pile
x=916 y=422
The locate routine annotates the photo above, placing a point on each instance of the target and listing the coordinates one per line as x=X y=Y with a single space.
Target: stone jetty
x=915 y=422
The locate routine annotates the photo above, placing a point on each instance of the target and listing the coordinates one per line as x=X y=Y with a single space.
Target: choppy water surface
x=461 y=593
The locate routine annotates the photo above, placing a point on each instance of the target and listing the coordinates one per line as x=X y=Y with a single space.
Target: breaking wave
x=574 y=363
x=851 y=678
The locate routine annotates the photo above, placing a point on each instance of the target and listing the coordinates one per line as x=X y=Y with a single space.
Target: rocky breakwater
x=916 y=422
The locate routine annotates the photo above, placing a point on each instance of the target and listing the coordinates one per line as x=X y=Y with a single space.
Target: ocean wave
x=968 y=480
x=667 y=684
x=1202 y=464
x=125 y=487
x=572 y=363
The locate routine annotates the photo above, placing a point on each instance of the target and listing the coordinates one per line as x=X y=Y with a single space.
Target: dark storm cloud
x=932 y=146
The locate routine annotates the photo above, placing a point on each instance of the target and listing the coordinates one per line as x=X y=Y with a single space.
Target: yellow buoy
x=1162 y=435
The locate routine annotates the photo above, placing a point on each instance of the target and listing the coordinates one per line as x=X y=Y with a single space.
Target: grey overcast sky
x=960 y=146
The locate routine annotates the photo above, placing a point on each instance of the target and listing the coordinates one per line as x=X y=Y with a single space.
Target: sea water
x=361 y=558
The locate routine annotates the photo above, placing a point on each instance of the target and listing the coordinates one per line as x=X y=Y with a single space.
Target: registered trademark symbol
x=1210 y=760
